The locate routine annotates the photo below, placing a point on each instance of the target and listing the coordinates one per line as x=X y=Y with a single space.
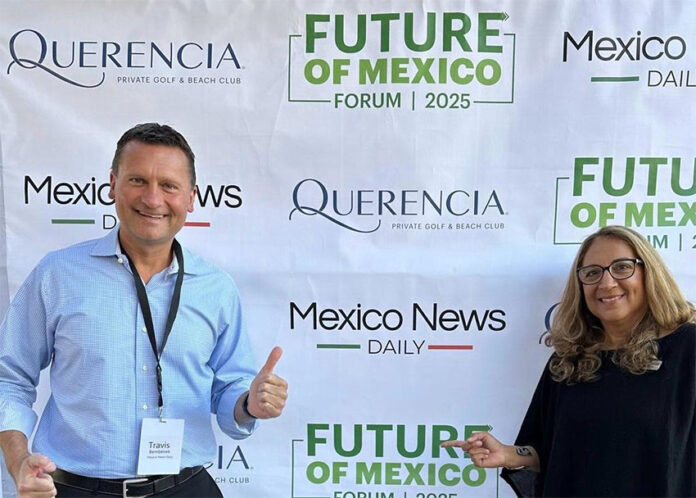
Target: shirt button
x=120 y=260
x=144 y=368
x=144 y=406
x=144 y=330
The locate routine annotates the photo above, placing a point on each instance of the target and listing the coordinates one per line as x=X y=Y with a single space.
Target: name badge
x=160 y=446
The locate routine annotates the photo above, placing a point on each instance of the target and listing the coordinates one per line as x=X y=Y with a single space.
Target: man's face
x=152 y=193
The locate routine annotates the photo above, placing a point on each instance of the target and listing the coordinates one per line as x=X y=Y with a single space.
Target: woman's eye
x=591 y=273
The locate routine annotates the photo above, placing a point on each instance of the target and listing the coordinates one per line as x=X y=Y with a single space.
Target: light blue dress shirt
x=78 y=311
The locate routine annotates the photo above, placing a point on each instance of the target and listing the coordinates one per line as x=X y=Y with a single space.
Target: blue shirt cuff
x=17 y=417
x=225 y=414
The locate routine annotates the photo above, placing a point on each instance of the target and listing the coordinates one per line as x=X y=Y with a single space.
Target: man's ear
x=192 y=199
x=112 y=185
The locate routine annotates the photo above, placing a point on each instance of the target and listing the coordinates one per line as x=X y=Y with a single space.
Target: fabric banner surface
x=398 y=189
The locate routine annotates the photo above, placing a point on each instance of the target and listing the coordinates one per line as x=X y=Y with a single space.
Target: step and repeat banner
x=397 y=187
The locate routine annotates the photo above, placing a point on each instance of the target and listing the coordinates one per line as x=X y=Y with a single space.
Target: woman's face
x=618 y=304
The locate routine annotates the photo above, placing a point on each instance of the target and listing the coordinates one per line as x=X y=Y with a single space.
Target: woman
x=614 y=413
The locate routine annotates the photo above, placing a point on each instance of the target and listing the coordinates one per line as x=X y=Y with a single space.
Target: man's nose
x=151 y=195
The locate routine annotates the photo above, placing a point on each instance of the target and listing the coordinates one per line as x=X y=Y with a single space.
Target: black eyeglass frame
x=635 y=261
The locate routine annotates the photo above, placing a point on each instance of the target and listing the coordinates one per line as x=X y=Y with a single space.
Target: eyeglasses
x=620 y=269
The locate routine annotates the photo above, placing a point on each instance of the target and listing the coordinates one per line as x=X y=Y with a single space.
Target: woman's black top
x=623 y=435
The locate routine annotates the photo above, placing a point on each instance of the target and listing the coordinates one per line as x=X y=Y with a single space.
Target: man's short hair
x=155 y=134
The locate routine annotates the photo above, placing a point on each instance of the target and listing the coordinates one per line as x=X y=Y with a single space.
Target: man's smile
x=150 y=215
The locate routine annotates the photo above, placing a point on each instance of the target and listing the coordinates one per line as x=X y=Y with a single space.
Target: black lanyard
x=147 y=313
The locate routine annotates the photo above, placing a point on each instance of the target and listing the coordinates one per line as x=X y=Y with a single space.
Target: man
x=144 y=339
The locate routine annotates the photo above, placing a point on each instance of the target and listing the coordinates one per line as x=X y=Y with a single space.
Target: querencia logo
x=232 y=467
x=88 y=63
x=409 y=60
x=63 y=194
x=386 y=460
x=370 y=209
x=651 y=194
x=634 y=58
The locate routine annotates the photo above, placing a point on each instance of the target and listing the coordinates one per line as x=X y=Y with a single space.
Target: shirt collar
x=109 y=246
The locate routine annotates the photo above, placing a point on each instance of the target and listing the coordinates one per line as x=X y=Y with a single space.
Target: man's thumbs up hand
x=268 y=392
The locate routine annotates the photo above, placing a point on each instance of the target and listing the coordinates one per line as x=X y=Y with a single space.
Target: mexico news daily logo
x=86 y=63
x=418 y=329
x=409 y=60
x=653 y=195
x=83 y=201
x=640 y=57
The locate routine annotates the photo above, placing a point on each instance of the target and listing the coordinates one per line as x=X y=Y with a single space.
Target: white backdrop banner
x=397 y=187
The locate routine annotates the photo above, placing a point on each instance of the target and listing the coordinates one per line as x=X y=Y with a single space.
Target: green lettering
x=606 y=212
x=473 y=469
x=454 y=71
x=391 y=473
x=324 y=71
x=413 y=474
x=653 y=163
x=449 y=33
x=442 y=70
x=323 y=475
x=366 y=71
x=659 y=243
x=384 y=29
x=639 y=216
x=338 y=439
x=591 y=215
x=368 y=474
x=399 y=69
x=430 y=33
x=339 y=471
x=379 y=430
x=401 y=441
x=496 y=71
x=442 y=474
x=676 y=173
x=313 y=439
x=689 y=215
x=442 y=433
x=423 y=70
x=340 y=70
x=340 y=35
x=578 y=176
x=665 y=214
x=311 y=32
x=628 y=177
x=484 y=32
